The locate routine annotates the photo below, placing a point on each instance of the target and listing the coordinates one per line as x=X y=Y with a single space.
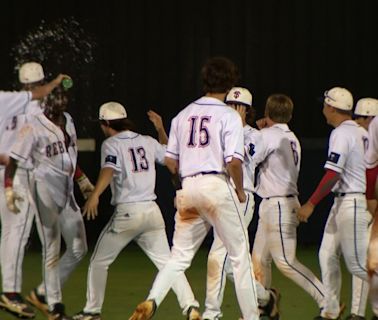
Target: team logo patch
x=111 y=159
x=236 y=94
x=334 y=157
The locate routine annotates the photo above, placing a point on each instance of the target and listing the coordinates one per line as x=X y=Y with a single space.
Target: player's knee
x=79 y=250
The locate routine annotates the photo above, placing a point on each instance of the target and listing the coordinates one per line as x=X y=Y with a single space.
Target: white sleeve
x=337 y=152
x=233 y=137
x=173 y=149
x=371 y=155
x=13 y=103
x=253 y=146
x=160 y=150
x=22 y=148
x=109 y=156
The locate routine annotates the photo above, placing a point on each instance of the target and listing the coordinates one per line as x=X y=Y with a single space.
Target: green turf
x=131 y=275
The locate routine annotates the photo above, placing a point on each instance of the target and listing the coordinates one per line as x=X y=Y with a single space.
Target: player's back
x=132 y=156
x=206 y=136
x=280 y=162
x=346 y=155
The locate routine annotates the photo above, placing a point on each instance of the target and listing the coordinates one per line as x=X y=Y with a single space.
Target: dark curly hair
x=219 y=75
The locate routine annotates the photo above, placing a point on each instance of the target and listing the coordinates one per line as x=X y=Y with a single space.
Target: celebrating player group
x=219 y=157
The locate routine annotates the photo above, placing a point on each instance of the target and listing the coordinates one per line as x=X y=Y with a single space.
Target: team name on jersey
x=56 y=148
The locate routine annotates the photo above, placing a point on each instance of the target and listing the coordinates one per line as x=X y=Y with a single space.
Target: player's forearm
x=162 y=135
x=10 y=171
x=40 y=92
x=235 y=170
x=103 y=181
x=172 y=165
x=324 y=187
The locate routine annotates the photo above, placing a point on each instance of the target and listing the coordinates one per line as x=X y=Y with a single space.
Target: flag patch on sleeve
x=334 y=157
x=111 y=159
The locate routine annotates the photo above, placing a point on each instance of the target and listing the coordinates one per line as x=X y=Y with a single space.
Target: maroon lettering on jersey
x=55 y=148
x=48 y=151
x=61 y=147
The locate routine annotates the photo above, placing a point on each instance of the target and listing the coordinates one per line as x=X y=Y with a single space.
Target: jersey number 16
x=199 y=125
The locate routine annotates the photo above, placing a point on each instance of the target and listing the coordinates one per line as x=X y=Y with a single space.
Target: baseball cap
x=239 y=95
x=366 y=107
x=30 y=72
x=339 y=98
x=112 y=111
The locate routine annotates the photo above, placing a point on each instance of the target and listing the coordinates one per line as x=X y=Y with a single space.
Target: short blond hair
x=279 y=108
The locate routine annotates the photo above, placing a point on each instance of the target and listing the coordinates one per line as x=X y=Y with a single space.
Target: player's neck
x=219 y=96
x=340 y=119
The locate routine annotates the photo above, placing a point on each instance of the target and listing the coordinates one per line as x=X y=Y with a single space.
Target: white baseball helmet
x=366 y=107
x=239 y=95
x=112 y=111
x=339 y=98
x=30 y=72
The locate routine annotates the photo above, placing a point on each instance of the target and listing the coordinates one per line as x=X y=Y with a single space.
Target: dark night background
x=147 y=54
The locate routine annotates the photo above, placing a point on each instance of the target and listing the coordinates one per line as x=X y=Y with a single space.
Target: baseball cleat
x=15 y=304
x=58 y=313
x=144 y=310
x=355 y=317
x=271 y=310
x=38 y=301
x=193 y=314
x=86 y=316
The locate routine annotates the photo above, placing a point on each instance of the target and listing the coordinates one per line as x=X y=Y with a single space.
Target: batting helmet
x=239 y=95
x=112 y=111
x=30 y=72
x=339 y=98
x=366 y=107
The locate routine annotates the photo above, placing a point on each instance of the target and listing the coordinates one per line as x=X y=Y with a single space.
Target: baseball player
x=16 y=228
x=371 y=160
x=128 y=165
x=347 y=227
x=205 y=147
x=366 y=109
x=50 y=141
x=218 y=264
x=16 y=110
x=279 y=163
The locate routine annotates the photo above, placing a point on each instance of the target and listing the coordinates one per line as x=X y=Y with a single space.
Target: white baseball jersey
x=132 y=156
x=252 y=138
x=346 y=156
x=371 y=155
x=13 y=103
x=9 y=128
x=54 y=156
x=212 y=137
x=280 y=159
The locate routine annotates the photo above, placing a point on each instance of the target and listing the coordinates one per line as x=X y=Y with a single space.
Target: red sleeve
x=371 y=178
x=78 y=173
x=325 y=186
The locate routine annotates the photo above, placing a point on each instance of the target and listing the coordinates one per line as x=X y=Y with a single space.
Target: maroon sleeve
x=325 y=186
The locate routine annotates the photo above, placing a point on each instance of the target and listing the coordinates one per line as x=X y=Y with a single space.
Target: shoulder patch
x=111 y=159
x=334 y=157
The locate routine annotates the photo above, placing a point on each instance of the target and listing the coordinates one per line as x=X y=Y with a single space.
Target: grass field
x=130 y=279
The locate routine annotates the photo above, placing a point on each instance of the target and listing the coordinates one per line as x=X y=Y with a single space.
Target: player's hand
x=11 y=197
x=4 y=159
x=305 y=211
x=90 y=207
x=156 y=119
x=242 y=110
x=85 y=185
x=372 y=257
x=261 y=123
x=241 y=196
